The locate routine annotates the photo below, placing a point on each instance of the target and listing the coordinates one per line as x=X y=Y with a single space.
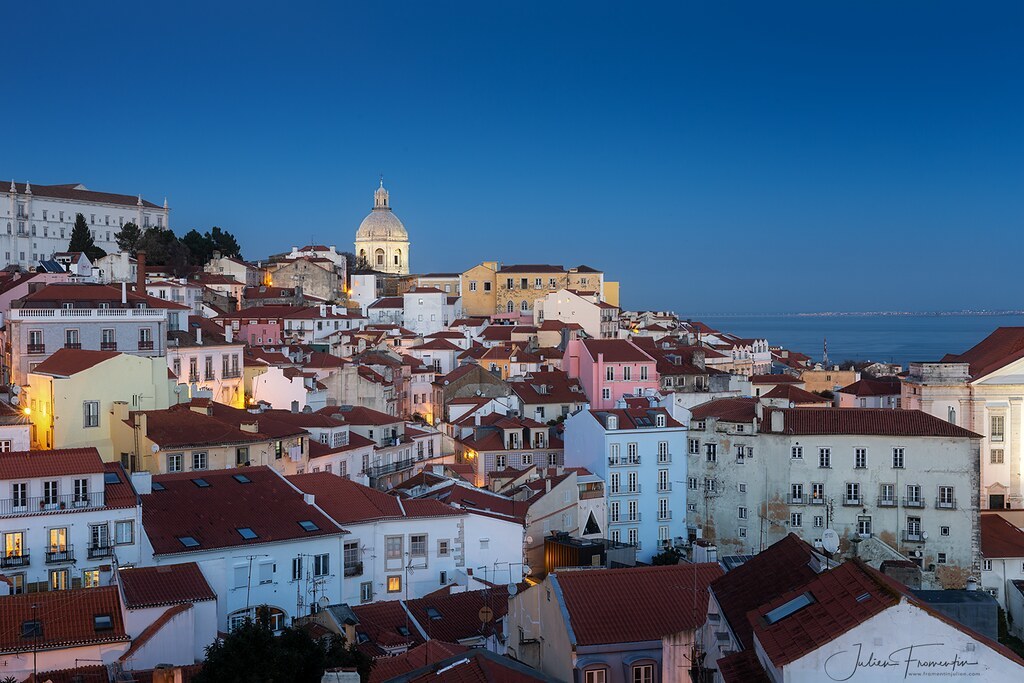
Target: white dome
x=381 y=225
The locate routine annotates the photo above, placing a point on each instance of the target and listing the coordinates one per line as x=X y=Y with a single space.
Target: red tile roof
x=360 y=415
x=796 y=395
x=874 y=421
x=350 y=503
x=531 y=268
x=635 y=604
x=213 y=515
x=386 y=668
x=121 y=494
x=478 y=666
x=999 y=537
x=66 y=617
x=380 y=621
x=781 y=567
x=742 y=667
x=727 y=410
x=873 y=387
x=78 y=192
x=182 y=427
x=62 y=292
x=436 y=345
x=388 y=302
x=616 y=351
x=165 y=585
x=482 y=501
x=58 y=463
x=838 y=605
x=1003 y=346
x=636 y=418
x=459 y=613
x=67 y=362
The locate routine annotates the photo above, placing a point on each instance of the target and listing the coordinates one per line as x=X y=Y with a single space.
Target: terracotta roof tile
x=616 y=351
x=67 y=362
x=742 y=667
x=874 y=421
x=873 y=387
x=66 y=618
x=57 y=463
x=212 y=515
x=386 y=668
x=796 y=395
x=456 y=616
x=78 y=192
x=350 y=503
x=775 y=379
x=727 y=410
x=999 y=537
x=1003 y=346
x=164 y=585
x=636 y=604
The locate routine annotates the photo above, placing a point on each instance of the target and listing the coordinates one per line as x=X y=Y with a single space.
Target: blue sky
x=712 y=156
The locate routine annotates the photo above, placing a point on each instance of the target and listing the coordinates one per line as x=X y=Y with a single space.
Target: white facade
x=285 y=388
x=570 y=307
x=36 y=222
x=117 y=267
x=209 y=371
x=427 y=310
x=382 y=241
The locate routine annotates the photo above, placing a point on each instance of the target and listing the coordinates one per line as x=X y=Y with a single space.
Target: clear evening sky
x=712 y=156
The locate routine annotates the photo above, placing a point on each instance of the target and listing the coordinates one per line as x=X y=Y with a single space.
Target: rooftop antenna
x=824 y=355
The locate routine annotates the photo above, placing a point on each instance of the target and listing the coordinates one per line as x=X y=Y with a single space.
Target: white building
x=1002 y=566
x=638 y=451
x=426 y=310
x=597 y=318
x=36 y=220
x=117 y=267
x=286 y=561
x=407 y=548
x=207 y=362
x=382 y=242
x=66 y=518
x=981 y=389
x=904 y=477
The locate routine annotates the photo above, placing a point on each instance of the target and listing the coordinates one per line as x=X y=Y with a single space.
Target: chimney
x=199 y=336
x=140 y=273
x=229 y=334
x=124 y=292
x=778 y=423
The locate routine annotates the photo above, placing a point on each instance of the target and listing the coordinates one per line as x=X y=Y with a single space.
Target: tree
x=81 y=240
x=128 y=238
x=252 y=653
x=666 y=556
x=164 y=249
x=200 y=246
x=224 y=242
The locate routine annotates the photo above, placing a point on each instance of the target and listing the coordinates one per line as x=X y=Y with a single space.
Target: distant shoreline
x=855 y=314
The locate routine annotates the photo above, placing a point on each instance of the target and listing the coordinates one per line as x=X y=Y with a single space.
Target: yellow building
x=828 y=379
x=478 y=292
x=72 y=397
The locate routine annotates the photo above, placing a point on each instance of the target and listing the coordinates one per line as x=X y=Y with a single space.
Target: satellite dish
x=154 y=448
x=14 y=400
x=924 y=536
x=15 y=389
x=830 y=541
x=486 y=614
x=512 y=589
x=529 y=539
x=526 y=569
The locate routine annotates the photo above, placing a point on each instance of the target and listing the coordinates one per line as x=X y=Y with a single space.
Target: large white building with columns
x=381 y=241
x=36 y=220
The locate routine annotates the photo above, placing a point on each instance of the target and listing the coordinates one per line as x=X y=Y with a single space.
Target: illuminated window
x=394 y=584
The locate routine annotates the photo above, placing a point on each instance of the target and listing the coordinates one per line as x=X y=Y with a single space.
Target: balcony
x=818 y=501
x=886 y=502
x=354 y=569
x=913 y=502
x=60 y=554
x=390 y=468
x=664 y=486
x=853 y=501
x=36 y=348
x=797 y=500
x=37 y=314
x=27 y=506
x=108 y=346
x=664 y=515
x=913 y=536
x=72 y=345
x=945 y=504
x=231 y=374
x=145 y=345
x=664 y=458
x=634 y=518
x=20 y=559
x=193 y=377
x=209 y=377
x=97 y=552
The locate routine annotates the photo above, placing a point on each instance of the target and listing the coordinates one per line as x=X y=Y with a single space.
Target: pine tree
x=81 y=240
x=128 y=238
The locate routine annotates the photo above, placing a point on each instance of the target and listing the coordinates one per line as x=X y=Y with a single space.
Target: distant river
x=888 y=338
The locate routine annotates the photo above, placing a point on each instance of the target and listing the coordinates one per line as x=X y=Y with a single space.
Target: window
x=90 y=413
x=50 y=493
x=986 y=565
x=710 y=485
x=174 y=462
x=946 y=498
x=913 y=528
x=817 y=494
x=887 y=494
x=199 y=460
x=442 y=547
x=72 y=340
x=606 y=393
x=941 y=558
x=913 y=494
x=694 y=447
x=864 y=525
x=996 y=456
x=643 y=673
x=90 y=578
x=853 y=493
x=824 y=457
x=247 y=533
x=393 y=547
x=741 y=512
x=693 y=483
x=394 y=584
x=711 y=452
x=472 y=285
x=643 y=378
x=527 y=458
x=418 y=545
x=242 y=455
x=366 y=591
x=500 y=461
x=897 y=458
x=796 y=494
x=627 y=373
x=124 y=532
x=997 y=428
x=943 y=531
x=321 y=565
x=741 y=487
x=609 y=373
x=796 y=519
x=59 y=579
x=819 y=521
x=860 y=458
x=296 y=568
x=613 y=512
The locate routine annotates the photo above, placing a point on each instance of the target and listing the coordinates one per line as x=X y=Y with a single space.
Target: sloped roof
x=457 y=615
x=56 y=463
x=164 y=585
x=386 y=668
x=875 y=421
x=1002 y=347
x=213 y=515
x=872 y=387
x=62 y=625
x=742 y=667
x=616 y=351
x=999 y=537
x=775 y=379
x=796 y=395
x=350 y=503
x=636 y=604
x=79 y=193
x=67 y=362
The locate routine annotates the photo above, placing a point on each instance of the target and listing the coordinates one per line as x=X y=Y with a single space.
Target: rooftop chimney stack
x=140 y=273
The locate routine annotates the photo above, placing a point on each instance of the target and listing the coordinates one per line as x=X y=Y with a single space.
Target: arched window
x=380 y=257
x=362 y=254
x=510 y=307
x=398 y=257
x=524 y=306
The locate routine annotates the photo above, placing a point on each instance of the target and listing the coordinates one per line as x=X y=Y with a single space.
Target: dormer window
x=659 y=420
x=613 y=422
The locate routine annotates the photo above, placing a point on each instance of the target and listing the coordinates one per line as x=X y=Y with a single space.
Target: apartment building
x=611 y=369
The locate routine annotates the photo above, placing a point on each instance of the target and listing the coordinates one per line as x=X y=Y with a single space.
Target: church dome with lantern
x=382 y=242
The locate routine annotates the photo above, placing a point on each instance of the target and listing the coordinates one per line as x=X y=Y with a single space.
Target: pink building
x=609 y=369
x=258 y=326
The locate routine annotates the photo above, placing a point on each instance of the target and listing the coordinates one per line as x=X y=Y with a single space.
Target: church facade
x=382 y=242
